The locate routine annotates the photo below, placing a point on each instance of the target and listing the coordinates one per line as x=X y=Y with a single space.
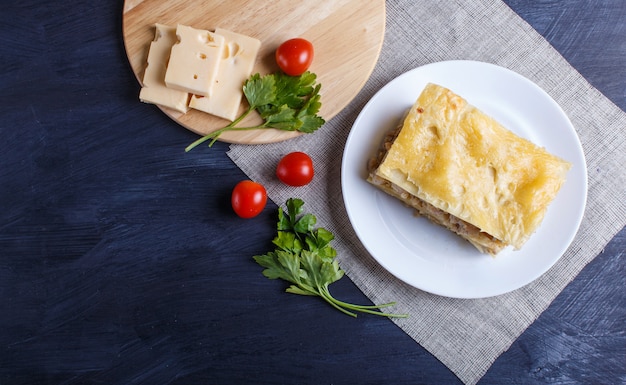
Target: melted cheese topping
x=458 y=159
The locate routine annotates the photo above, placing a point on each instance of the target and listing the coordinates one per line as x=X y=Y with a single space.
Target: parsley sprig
x=288 y=103
x=305 y=258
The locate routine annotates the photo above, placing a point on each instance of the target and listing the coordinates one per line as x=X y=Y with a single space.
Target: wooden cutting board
x=347 y=36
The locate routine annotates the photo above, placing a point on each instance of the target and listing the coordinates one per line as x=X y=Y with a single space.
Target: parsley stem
x=351 y=305
x=329 y=298
x=230 y=127
x=325 y=292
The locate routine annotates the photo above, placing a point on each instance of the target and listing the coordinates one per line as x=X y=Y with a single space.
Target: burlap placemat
x=466 y=335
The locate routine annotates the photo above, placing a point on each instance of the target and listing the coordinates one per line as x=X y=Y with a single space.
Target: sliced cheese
x=154 y=89
x=235 y=67
x=194 y=60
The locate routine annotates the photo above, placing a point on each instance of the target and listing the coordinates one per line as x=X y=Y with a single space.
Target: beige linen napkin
x=466 y=335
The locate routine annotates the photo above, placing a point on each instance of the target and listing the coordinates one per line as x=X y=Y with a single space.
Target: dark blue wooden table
x=122 y=263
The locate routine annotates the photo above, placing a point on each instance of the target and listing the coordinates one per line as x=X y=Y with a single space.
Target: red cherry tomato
x=294 y=56
x=248 y=198
x=295 y=169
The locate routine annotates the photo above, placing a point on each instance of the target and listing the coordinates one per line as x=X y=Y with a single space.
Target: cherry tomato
x=294 y=56
x=248 y=198
x=295 y=169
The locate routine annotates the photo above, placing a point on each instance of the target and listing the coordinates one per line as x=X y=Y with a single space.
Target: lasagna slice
x=463 y=170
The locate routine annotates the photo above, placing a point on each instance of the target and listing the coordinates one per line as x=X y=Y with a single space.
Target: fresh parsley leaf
x=282 y=118
x=312 y=264
x=309 y=124
x=259 y=90
x=273 y=267
x=294 y=207
x=305 y=258
x=288 y=103
x=305 y=224
x=319 y=240
x=286 y=240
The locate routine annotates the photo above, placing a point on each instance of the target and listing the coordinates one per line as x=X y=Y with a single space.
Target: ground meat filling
x=481 y=240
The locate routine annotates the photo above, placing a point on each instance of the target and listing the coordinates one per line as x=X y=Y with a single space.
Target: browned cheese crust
x=484 y=242
x=463 y=170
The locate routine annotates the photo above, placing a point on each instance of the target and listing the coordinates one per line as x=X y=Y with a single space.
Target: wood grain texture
x=122 y=263
x=347 y=36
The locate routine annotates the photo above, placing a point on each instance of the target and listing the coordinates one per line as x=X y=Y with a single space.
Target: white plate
x=428 y=256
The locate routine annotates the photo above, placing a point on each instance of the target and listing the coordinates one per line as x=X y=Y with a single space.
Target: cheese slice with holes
x=235 y=66
x=194 y=60
x=154 y=89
